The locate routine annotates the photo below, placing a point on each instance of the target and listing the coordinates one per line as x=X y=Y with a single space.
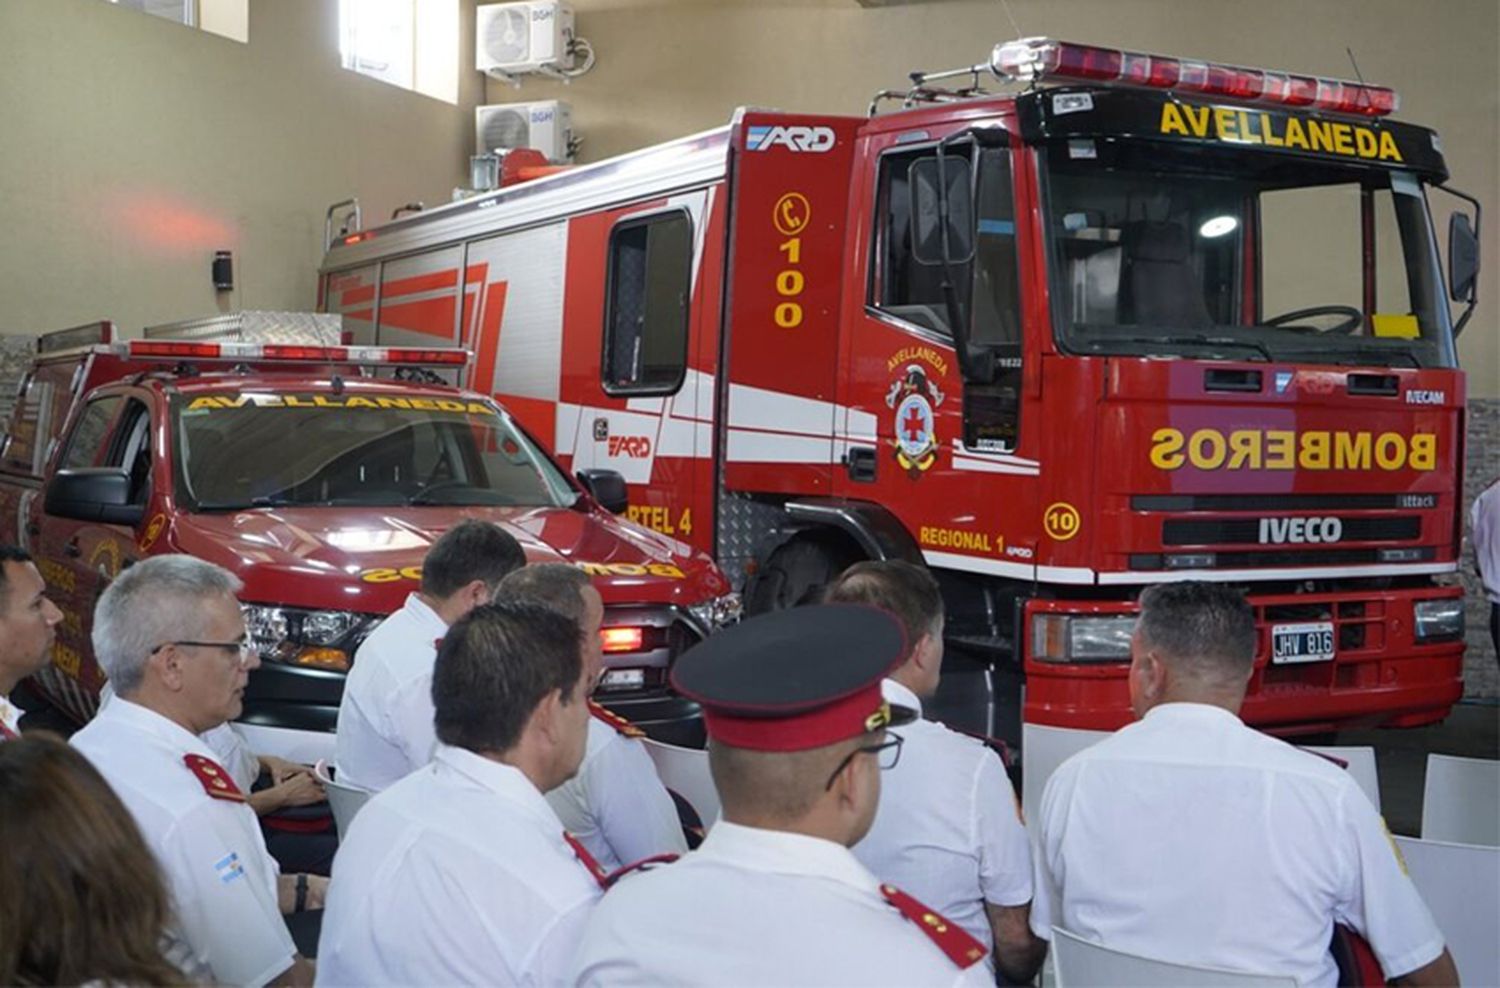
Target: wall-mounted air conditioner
x=546 y=125
x=514 y=38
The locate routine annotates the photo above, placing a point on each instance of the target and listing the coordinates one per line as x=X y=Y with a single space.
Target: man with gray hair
x=169 y=634
x=616 y=805
x=1191 y=838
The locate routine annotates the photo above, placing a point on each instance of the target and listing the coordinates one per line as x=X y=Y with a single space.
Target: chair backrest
x=1163 y=287
x=344 y=800
x=1084 y=964
x=1359 y=761
x=1461 y=885
x=685 y=772
x=1459 y=800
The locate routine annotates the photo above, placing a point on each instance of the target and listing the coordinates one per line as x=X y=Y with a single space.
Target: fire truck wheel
x=797 y=572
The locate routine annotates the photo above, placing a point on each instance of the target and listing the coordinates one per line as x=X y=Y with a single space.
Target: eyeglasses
x=241 y=648
x=888 y=751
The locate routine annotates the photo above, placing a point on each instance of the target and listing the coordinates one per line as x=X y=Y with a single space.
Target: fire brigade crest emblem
x=913 y=397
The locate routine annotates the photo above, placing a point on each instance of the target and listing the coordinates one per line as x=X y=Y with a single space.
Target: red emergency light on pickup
x=295 y=353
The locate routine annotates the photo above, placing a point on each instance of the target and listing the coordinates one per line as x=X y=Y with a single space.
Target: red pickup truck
x=319 y=474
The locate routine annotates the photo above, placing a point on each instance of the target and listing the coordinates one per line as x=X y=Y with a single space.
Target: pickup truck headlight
x=1439 y=620
x=312 y=639
x=1082 y=638
x=715 y=614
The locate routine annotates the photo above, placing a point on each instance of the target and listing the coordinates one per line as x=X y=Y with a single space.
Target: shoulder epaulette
x=614 y=720
x=645 y=864
x=952 y=939
x=215 y=780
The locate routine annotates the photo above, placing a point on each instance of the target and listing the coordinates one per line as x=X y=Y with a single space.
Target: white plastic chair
x=1461 y=800
x=1084 y=964
x=1461 y=885
x=685 y=772
x=343 y=799
x=1359 y=761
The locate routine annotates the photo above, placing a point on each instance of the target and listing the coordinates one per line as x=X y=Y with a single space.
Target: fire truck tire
x=798 y=571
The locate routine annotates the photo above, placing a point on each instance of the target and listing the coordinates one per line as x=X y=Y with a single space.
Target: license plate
x=619 y=679
x=1311 y=642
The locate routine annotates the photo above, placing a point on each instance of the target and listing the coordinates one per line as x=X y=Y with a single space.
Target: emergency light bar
x=296 y=353
x=1043 y=59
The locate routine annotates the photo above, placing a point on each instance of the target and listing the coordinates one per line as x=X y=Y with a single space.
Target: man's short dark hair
x=471 y=550
x=1205 y=629
x=10 y=554
x=495 y=665
x=558 y=586
x=908 y=591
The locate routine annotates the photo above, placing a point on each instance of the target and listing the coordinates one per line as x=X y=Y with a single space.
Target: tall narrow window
x=408 y=43
x=646 y=314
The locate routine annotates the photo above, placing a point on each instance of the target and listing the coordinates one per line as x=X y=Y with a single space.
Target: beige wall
x=672 y=67
x=132 y=148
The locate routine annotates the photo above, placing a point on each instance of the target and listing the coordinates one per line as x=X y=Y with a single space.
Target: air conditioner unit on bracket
x=546 y=125
x=514 y=38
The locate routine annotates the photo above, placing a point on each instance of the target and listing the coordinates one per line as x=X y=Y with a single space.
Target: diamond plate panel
x=744 y=523
x=253 y=326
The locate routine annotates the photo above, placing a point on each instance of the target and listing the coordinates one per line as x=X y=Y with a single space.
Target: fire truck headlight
x=715 y=614
x=1439 y=620
x=311 y=639
x=1082 y=638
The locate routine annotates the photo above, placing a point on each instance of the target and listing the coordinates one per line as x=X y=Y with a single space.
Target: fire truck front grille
x=1230 y=531
x=1270 y=558
x=1282 y=502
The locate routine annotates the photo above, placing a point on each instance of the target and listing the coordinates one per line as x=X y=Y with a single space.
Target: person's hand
x=280 y=769
x=299 y=789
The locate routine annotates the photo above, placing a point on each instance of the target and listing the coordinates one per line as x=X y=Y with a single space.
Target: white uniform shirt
x=229 y=747
x=223 y=883
x=947 y=831
x=458 y=874
x=1190 y=837
x=616 y=805
x=760 y=907
x=1484 y=522
x=10 y=716
x=385 y=727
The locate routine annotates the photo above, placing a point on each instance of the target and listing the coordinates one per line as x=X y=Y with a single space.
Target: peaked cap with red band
x=797 y=679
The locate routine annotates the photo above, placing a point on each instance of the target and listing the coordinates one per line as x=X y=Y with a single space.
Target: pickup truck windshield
x=1167 y=250
x=247 y=450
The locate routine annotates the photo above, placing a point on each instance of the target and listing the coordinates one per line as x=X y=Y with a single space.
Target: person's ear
x=546 y=719
x=170 y=666
x=1154 y=673
x=478 y=592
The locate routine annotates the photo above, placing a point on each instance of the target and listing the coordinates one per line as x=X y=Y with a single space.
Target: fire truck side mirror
x=1463 y=258
x=93 y=494
x=607 y=487
x=942 y=210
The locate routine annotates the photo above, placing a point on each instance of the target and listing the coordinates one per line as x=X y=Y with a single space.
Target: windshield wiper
x=1200 y=339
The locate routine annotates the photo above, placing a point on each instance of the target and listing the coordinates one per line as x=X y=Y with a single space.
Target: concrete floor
x=1472 y=730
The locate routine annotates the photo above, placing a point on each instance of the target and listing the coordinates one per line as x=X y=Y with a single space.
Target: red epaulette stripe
x=952 y=939
x=614 y=720
x=216 y=781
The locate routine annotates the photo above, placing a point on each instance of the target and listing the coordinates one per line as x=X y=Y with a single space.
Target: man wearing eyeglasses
x=798 y=736
x=169 y=634
x=948 y=829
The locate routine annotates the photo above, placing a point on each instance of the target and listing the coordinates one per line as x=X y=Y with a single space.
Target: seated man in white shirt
x=169 y=634
x=947 y=830
x=28 y=626
x=385 y=717
x=1191 y=838
x=616 y=805
x=461 y=874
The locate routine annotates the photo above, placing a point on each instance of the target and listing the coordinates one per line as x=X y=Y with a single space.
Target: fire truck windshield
x=245 y=450
x=1169 y=250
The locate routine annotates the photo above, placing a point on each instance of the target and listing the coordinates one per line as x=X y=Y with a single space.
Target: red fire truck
x=1140 y=319
x=320 y=480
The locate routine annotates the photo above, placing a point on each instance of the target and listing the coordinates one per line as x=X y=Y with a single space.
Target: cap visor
x=901 y=715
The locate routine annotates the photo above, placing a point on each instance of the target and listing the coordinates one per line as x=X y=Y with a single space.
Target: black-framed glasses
x=888 y=751
x=240 y=649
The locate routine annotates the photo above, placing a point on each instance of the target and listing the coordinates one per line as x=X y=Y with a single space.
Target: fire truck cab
x=319 y=474
x=1155 y=319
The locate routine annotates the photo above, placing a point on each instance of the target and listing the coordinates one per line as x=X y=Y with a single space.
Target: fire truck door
x=419 y=302
x=83 y=557
x=946 y=456
x=351 y=294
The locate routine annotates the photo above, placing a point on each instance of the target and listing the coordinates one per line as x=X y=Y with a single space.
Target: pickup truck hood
x=369 y=560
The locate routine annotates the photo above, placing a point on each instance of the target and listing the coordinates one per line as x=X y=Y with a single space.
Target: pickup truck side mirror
x=93 y=494
x=607 y=487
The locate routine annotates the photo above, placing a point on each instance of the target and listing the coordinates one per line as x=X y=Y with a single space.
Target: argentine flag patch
x=229 y=868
